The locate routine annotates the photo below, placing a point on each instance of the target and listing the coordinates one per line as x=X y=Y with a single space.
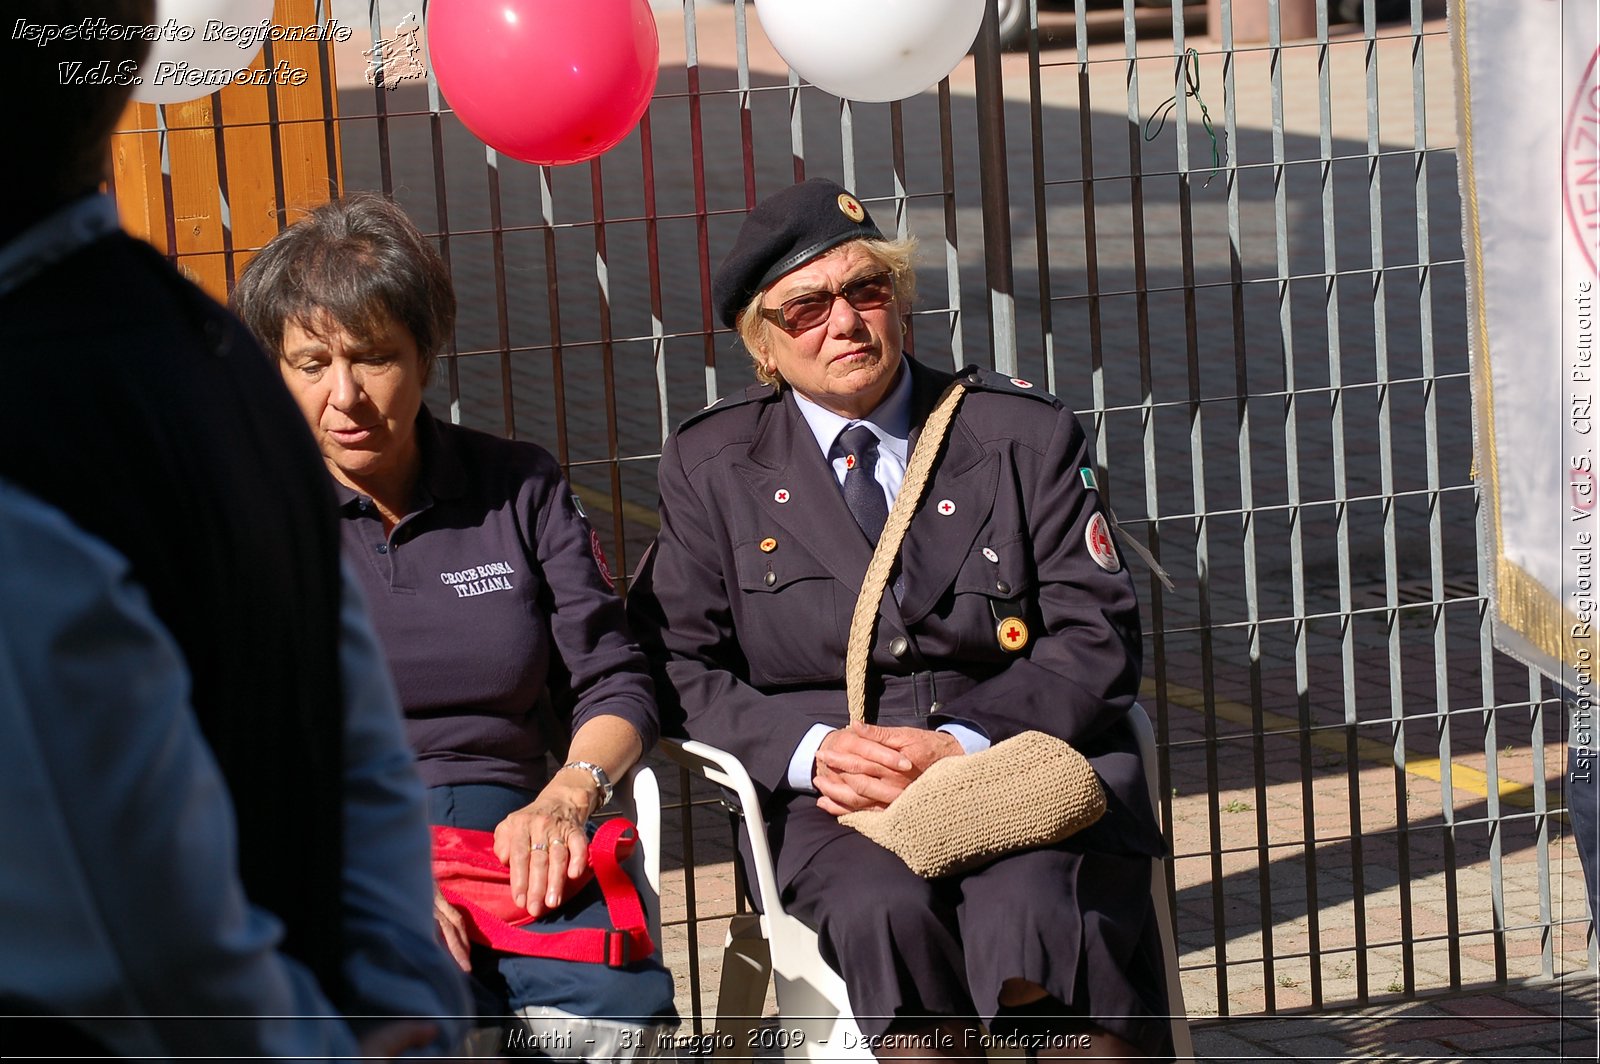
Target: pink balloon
x=545 y=81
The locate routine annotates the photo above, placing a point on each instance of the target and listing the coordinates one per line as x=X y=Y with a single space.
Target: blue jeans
x=502 y=982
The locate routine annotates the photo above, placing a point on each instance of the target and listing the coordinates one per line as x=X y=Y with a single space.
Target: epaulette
x=989 y=381
x=754 y=393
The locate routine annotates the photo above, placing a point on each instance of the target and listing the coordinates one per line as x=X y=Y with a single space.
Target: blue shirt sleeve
x=118 y=850
x=395 y=965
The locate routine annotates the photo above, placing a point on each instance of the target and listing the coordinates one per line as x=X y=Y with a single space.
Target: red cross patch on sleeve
x=600 y=559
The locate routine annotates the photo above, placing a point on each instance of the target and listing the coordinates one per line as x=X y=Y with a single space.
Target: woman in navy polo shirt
x=489 y=592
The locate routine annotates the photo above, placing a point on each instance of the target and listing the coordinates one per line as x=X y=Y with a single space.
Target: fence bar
x=1247 y=510
x=652 y=253
x=379 y=102
x=902 y=195
x=501 y=311
x=1041 y=209
x=993 y=183
x=441 y=214
x=1292 y=469
x=547 y=213
x=797 y=144
x=1341 y=492
x=952 y=241
x=608 y=368
x=697 y=148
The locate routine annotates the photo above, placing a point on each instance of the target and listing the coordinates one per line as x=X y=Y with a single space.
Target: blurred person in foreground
x=211 y=833
x=1010 y=611
x=490 y=594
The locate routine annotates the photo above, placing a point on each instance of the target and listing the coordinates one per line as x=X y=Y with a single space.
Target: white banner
x=1528 y=115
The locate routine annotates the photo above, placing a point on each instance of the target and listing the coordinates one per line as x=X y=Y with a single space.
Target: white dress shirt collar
x=890 y=420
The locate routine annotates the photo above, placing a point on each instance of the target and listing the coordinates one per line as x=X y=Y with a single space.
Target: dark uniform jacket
x=752 y=641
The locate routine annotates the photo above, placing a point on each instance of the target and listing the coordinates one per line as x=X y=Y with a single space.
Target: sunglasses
x=812 y=309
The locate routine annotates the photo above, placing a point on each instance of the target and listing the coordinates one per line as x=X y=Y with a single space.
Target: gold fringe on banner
x=1518 y=602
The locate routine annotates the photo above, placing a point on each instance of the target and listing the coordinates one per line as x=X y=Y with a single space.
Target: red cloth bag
x=471 y=878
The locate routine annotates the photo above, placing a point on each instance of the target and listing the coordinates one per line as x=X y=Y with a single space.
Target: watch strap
x=602 y=781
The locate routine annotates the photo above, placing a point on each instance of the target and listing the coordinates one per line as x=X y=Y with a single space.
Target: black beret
x=785 y=231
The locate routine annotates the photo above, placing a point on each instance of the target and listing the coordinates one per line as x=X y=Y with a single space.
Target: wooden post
x=240 y=162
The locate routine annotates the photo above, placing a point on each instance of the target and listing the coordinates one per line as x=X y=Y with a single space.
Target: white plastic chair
x=638 y=797
x=811 y=996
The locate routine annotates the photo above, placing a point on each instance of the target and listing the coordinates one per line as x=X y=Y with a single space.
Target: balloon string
x=1189 y=69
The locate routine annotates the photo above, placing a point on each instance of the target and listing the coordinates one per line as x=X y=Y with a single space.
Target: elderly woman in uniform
x=1009 y=611
x=488 y=590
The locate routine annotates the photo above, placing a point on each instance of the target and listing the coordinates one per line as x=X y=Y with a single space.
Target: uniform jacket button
x=772 y=578
x=1003 y=587
x=898 y=646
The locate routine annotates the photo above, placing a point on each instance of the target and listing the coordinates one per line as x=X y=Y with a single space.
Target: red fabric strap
x=471 y=878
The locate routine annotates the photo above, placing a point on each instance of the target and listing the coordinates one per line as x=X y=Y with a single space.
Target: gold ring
x=558 y=842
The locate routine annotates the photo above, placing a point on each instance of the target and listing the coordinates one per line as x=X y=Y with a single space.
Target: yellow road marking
x=1462 y=777
x=595 y=499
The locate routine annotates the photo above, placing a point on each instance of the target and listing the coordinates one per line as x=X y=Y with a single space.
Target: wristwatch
x=602 y=782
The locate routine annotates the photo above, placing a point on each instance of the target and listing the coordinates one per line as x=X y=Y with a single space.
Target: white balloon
x=226 y=37
x=871 y=50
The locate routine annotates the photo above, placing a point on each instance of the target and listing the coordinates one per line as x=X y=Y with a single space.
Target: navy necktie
x=862 y=492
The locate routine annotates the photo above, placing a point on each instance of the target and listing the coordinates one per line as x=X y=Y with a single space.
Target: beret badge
x=783 y=232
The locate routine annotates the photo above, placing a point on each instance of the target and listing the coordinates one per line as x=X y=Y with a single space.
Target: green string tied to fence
x=1189 y=69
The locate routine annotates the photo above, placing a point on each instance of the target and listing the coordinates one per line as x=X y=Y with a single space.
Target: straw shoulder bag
x=1030 y=790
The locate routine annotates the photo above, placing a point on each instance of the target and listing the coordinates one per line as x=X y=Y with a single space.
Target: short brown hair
x=360 y=261
x=893 y=255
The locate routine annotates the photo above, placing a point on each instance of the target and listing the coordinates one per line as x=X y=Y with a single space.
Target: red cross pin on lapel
x=849 y=461
x=781 y=495
x=946 y=507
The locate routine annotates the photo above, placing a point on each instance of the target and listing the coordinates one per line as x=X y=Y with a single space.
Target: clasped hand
x=866 y=766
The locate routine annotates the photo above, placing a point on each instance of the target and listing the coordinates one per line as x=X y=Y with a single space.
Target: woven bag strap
x=865 y=619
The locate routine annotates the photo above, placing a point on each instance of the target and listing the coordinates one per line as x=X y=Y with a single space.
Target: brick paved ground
x=1300 y=458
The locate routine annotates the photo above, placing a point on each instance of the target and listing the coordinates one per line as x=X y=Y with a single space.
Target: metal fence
x=1266 y=345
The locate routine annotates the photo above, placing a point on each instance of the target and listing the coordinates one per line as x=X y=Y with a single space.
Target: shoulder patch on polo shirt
x=600 y=559
x=753 y=394
x=987 y=380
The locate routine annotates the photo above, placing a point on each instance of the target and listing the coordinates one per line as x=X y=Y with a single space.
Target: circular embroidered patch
x=851 y=207
x=1020 y=383
x=600 y=559
x=946 y=507
x=1098 y=539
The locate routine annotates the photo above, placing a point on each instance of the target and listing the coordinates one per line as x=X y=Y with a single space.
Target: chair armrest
x=726 y=771
x=638 y=797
